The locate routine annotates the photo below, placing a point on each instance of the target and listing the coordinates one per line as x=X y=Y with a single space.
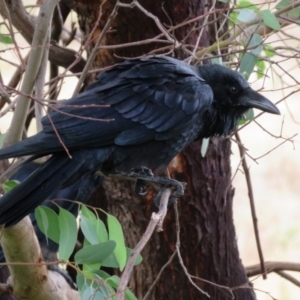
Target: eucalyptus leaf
x=246 y=15
x=95 y=253
x=6 y=39
x=255 y=44
x=88 y=230
x=9 y=185
x=247 y=64
x=47 y=220
x=87 y=213
x=68 y=233
x=116 y=234
x=114 y=282
x=270 y=20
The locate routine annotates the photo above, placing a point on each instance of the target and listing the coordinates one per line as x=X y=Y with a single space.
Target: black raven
x=156 y=107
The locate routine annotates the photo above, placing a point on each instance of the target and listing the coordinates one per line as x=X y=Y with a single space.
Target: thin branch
x=159 y=275
x=236 y=33
x=155 y=219
x=285 y=140
x=24 y=23
x=40 y=83
x=11 y=31
x=95 y=50
x=180 y=257
x=252 y=205
x=272 y=266
x=288 y=277
x=135 y=3
x=15 y=130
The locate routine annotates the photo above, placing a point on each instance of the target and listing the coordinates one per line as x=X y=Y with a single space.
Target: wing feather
x=148 y=99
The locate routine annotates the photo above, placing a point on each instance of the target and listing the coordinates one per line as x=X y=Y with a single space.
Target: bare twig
x=40 y=83
x=95 y=49
x=15 y=130
x=159 y=275
x=252 y=205
x=290 y=139
x=180 y=257
x=272 y=266
x=155 y=219
x=135 y=3
x=25 y=25
x=288 y=277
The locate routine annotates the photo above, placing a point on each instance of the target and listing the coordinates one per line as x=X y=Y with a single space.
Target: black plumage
x=79 y=191
x=157 y=106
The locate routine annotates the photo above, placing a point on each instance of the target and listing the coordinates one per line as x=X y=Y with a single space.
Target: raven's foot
x=176 y=186
x=144 y=178
x=140 y=187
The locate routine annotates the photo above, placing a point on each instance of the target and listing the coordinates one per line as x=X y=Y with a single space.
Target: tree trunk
x=207 y=235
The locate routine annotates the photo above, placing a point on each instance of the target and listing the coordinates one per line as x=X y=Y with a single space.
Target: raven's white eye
x=233 y=90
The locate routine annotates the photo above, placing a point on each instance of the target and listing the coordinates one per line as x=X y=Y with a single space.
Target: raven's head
x=232 y=96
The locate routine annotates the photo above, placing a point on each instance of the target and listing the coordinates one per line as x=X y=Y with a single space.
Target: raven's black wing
x=149 y=99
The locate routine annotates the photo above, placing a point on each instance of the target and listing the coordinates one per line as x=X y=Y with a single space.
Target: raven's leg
x=144 y=177
x=140 y=187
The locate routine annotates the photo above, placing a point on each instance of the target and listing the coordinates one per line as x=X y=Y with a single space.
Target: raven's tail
x=24 y=198
x=40 y=144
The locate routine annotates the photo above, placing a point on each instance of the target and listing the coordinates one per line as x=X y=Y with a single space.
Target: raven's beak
x=252 y=99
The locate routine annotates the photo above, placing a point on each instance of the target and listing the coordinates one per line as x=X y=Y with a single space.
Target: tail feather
x=39 y=145
x=19 y=202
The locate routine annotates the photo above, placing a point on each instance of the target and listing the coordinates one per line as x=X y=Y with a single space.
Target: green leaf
x=90 y=293
x=269 y=19
x=88 y=230
x=68 y=233
x=111 y=262
x=101 y=274
x=256 y=43
x=6 y=39
x=261 y=68
x=224 y=1
x=116 y=234
x=80 y=280
x=293 y=13
x=217 y=61
x=282 y=4
x=114 y=282
x=95 y=253
x=105 y=291
x=246 y=15
x=101 y=230
x=250 y=114
x=47 y=220
x=247 y=64
x=233 y=18
x=248 y=4
x=9 y=185
x=269 y=51
x=92 y=227
x=87 y=213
